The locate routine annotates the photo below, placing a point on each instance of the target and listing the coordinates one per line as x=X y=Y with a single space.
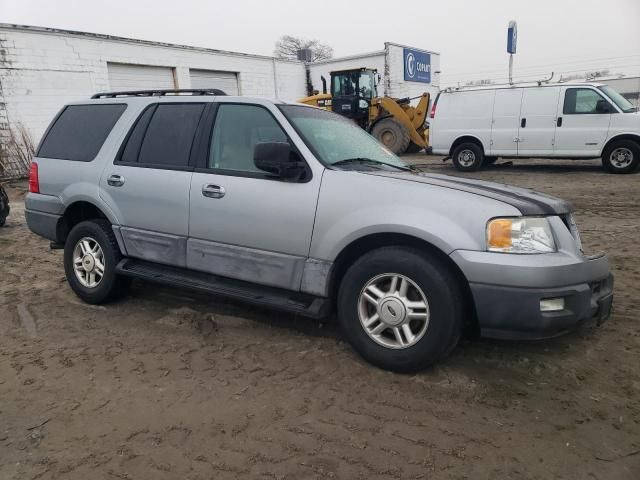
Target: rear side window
x=169 y=135
x=79 y=131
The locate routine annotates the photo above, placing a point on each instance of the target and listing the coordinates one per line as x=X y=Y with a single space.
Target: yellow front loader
x=394 y=122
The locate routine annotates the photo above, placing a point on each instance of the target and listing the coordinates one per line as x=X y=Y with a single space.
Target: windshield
x=625 y=105
x=336 y=140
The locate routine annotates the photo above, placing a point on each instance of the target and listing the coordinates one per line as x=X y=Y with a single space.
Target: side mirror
x=602 y=106
x=278 y=159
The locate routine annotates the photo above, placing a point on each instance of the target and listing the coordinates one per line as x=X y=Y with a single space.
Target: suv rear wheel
x=400 y=308
x=467 y=157
x=91 y=254
x=621 y=157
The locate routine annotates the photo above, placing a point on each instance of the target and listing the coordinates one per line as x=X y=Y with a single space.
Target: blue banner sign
x=512 y=37
x=417 y=66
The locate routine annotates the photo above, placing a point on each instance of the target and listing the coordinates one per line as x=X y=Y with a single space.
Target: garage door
x=225 y=81
x=125 y=77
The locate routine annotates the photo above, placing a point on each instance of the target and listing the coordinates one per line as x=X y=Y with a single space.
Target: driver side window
x=237 y=130
x=580 y=101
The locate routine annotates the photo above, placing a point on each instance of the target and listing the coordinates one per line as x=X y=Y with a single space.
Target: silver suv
x=296 y=208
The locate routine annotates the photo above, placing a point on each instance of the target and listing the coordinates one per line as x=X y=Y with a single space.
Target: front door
x=147 y=187
x=537 y=121
x=506 y=121
x=244 y=223
x=582 y=128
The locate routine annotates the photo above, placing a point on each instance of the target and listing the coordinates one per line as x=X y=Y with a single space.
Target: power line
x=530 y=67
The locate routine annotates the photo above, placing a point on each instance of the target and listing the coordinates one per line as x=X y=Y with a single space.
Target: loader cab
x=352 y=92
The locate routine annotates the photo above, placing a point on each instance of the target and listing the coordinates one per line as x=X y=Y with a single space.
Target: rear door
x=581 y=129
x=506 y=121
x=148 y=184
x=537 y=130
x=244 y=223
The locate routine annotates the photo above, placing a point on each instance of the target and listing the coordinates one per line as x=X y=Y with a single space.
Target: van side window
x=79 y=132
x=237 y=130
x=169 y=135
x=579 y=101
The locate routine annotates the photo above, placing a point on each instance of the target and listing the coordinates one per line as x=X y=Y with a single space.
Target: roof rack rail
x=489 y=86
x=160 y=93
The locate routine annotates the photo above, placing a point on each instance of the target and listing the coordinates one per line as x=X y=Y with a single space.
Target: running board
x=271 y=297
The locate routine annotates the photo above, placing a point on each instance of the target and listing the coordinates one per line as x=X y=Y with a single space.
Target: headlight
x=520 y=235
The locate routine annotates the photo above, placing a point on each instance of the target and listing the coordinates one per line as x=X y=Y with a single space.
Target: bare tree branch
x=288 y=46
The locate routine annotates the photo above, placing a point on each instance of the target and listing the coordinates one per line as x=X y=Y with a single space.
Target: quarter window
x=581 y=101
x=79 y=132
x=237 y=130
x=169 y=135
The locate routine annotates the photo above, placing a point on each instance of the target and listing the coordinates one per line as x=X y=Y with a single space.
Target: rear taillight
x=34 y=182
x=433 y=110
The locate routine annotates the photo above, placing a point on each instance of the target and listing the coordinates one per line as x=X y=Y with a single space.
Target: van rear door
x=506 y=122
x=537 y=121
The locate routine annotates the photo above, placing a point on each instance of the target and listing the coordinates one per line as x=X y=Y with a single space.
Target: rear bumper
x=514 y=313
x=43 y=224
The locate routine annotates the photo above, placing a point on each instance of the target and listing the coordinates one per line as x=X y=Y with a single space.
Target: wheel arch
x=634 y=137
x=465 y=139
x=77 y=212
x=365 y=244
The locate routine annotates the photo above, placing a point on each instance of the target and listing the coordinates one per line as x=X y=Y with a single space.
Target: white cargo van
x=475 y=126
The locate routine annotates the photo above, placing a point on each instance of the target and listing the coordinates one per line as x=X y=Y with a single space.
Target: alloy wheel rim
x=393 y=311
x=621 y=157
x=88 y=262
x=466 y=158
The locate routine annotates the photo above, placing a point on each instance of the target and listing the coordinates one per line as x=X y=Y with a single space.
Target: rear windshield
x=79 y=131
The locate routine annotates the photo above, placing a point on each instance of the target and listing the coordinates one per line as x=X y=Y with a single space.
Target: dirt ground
x=167 y=384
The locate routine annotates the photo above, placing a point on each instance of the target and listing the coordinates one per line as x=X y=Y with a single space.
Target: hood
x=528 y=202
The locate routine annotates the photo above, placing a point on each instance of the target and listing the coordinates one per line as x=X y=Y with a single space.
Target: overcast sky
x=554 y=35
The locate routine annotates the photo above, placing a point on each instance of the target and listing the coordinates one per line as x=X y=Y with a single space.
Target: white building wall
x=42 y=69
x=397 y=86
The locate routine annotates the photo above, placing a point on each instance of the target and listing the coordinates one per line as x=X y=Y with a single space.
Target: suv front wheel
x=400 y=308
x=91 y=254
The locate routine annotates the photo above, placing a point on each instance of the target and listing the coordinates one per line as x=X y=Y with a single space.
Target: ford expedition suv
x=293 y=207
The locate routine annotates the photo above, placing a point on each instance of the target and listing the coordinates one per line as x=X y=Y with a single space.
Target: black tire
x=392 y=135
x=443 y=296
x=413 y=148
x=111 y=285
x=468 y=157
x=613 y=155
x=2 y=221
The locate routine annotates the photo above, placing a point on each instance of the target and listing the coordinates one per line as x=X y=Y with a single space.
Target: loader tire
x=392 y=135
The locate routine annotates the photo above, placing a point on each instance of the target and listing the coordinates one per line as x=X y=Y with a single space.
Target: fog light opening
x=552 y=304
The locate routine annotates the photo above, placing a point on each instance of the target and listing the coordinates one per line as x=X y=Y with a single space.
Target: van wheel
x=91 y=254
x=400 y=308
x=392 y=135
x=621 y=157
x=467 y=157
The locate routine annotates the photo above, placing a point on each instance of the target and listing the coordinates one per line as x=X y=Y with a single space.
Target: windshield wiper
x=368 y=161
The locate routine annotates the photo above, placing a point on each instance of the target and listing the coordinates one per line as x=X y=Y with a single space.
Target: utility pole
x=512 y=40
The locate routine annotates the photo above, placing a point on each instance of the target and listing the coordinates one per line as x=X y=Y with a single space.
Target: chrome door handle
x=115 y=180
x=213 y=191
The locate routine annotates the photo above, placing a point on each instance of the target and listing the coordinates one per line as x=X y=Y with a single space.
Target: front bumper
x=514 y=313
x=507 y=290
